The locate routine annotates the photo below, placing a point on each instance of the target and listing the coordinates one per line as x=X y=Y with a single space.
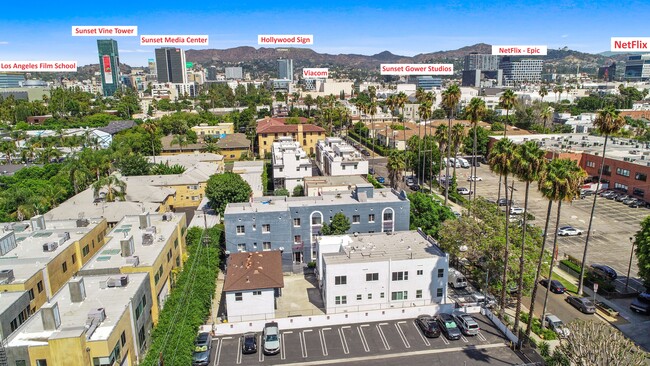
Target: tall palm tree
x=400 y=99
x=441 y=138
x=450 y=100
x=500 y=161
x=308 y=101
x=150 y=128
x=543 y=92
x=560 y=181
x=115 y=188
x=528 y=164
x=425 y=111
x=457 y=136
x=8 y=148
x=474 y=111
x=507 y=101
x=395 y=167
x=546 y=114
x=609 y=121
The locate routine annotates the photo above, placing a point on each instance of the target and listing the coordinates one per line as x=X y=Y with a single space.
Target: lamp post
x=629 y=267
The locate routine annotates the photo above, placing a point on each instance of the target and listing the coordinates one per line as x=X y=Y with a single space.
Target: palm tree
x=115 y=188
x=528 y=164
x=180 y=140
x=395 y=167
x=560 y=181
x=400 y=101
x=546 y=114
x=308 y=101
x=150 y=127
x=507 y=101
x=450 y=100
x=609 y=121
x=441 y=138
x=8 y=148
x=425 y=111
x=457 y=136
x=500 y=161
x=543 y=92
x=474 y=111
x=78 y=173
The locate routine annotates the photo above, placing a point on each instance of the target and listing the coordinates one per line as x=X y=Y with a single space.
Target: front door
x=297 y=257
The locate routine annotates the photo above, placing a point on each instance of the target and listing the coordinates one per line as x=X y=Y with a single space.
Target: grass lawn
x=570 y=287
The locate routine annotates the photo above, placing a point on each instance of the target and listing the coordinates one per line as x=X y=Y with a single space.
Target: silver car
x=466 y=323
x=271 y=339
x=584 y=304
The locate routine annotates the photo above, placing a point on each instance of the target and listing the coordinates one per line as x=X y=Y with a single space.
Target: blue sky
x=35 y=31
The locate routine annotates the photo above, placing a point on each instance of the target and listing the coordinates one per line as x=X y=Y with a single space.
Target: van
x=463 y=163
x=456 y=279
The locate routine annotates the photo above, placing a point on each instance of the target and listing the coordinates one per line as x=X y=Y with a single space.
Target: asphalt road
x=557 y=305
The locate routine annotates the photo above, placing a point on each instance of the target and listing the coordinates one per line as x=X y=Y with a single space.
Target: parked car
x=584 y=304
x=642 y=303
x=569 y=231
x=463 y=191
x=473 y=178
x=603 y=271
x=516 y=210
x=622 y=197
x=271 y=339
x=448 y=326
x=628 y=200
x=409 y=181
x=381 y=179
x=556 y=286
x=370 y=170
x=555 y=324
x=365 y=153
x=636 y=203
x=503 y=202
x=479 y=298
x=466 y=323
x=606 y=194
x=415 y=187
x=428 y=325
x=202 y=347
x=456 y=279
x=249 y=343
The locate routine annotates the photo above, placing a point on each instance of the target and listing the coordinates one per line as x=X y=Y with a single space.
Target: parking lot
x=364 y=342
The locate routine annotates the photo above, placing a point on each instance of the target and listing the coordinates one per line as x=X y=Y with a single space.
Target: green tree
x=226 y=188
x=281 y=192
x=115 y=188
x=134 y=164
x=340 y=225
x=450 y=100
x=395 y=166
x=642 y=242
x=298 y=191
x=475 y=112
x=507 y=101
x=427 y=214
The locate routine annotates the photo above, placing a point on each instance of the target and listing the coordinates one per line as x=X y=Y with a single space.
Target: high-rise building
x=170 y=65
x=285 y=69
x=109 y=64
x=524 y=70
x=607 y=73
x=212 y=73
x=637 y=67
x=152 y=66
x=234 y=73
x=483 y=62
x=11 y=80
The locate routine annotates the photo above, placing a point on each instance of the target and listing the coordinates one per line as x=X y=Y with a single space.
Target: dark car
x=202 y=346
x=415 y=187
x=249 y=343
x=556 y=286
x=603 y=271
x=503 y=202
x=584 y=304
x=642 y=303
x=636 y=203
x=370 y=170
x=428 y=325
x=448 y=326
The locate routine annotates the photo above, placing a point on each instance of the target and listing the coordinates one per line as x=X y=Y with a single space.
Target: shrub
x=571 y=265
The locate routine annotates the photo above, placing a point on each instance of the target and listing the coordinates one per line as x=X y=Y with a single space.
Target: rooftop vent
x=133 y=260
x=38 y=222
x=82 y=222
x=147 y=238
x=117 y=281
x=128 y=247
x=6 y=276
x=50 y=247
x=145 y=220
x=50 y=316
x=77 y=289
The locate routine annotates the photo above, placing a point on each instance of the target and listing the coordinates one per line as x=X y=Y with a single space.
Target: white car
x=569 y=231
x=516 y=210
x=554 y=323
x=474 y=178
x=463 y=191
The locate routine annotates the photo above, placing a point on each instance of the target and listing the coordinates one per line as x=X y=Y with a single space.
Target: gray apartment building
x=290 y=224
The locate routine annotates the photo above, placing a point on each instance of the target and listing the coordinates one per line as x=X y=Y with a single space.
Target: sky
x=41 y=30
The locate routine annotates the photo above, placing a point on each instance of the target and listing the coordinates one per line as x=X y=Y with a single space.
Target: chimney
x=145 y=220
x=127 y=245
x=50 y=316
x=77 y=289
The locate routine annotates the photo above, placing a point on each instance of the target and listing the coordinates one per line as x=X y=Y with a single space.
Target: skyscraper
x=483 y=62
x=109 y=64
x=285 y=69
x=170 y=65
x=522 y=70
x=234 y=73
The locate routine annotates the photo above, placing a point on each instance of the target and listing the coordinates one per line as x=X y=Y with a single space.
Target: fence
x=502 y=327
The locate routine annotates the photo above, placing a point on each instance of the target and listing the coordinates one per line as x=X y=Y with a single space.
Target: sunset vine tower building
x=109 y=65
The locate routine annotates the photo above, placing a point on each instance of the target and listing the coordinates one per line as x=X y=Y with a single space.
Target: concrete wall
x=12 y=312
x=251 y=307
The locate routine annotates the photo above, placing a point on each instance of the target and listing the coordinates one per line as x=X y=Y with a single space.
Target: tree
x=281 y=192
x=340 y=225
x=543 y=92
x=450 y=100
x=457 y=136
x=226 y=188
x=400 y=102
x=507 y=101
x=115 y=188
x=298 y=191
x=441 y=139
x=596 y=343
x=475 y=111
x=483 y=140
x=134 y=164
x=395 y=166
x=151 y=129
x=528 y=163
x=180 y=140
x=427 y=214
x=546 y=114
x=560 y=181
x=642 y=242
x=308 y=101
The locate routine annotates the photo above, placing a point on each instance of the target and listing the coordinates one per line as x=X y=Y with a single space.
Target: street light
x=627 y=280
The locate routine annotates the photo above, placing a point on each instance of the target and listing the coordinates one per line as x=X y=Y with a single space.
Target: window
x=141 y=337
x=296 y=221
x=257 y=293
x=178 y=261
x=297 y=239
x=266 y=228
x=297 y=169
x=439 y=292
x=399 y=295
x=21 y=363
x=620 y=186
x=369 y=296
x=342 y=167
x=640 y=176
x=381 y=295
x=591 y=164
x=359 y=297
x=74 y=258
x=418 y=294
x=266 y=245
x=239 y=296
x=441 y=273
x=341 y=300
x=31 y=294
x=341 y=280
x=638 y=192
x=176 y=242
x=241 y=230
x=356 y=219
x=85 y=251
x=14 y=324
x=371 y=218
x=241 y=247
x=138 y=310
x=64 y=267
x=39 y=286
x=388 y=215
x=123 y=338
x=607 y=170
x=400 y=276
x=372 y=276
x=316 y=220
x=169 y=255
x=420 y=272
x=41 y=362
x=623 y=172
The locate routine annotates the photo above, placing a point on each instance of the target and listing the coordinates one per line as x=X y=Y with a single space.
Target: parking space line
x=323 y=342
x=417 y=329
x=344 y=342
x=444 y=339
x=362 y=335
x=464 y=339
x=261 y=352
x=239 y=353
x=382 y=336
x=481 y=337
x=303 y=342
x=401 y=334
x=218 y=348
x=283 y=354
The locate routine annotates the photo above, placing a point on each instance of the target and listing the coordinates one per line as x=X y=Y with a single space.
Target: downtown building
x=170 y=65
x=637 y=68
x=285 y=69
x=234 y=73
x=481 y=70
x=109 y=65
x=521 y=71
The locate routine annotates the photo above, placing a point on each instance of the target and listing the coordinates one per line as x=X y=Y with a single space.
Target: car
x=615 y=195
x=603 y=271
x=628 y=200
x=622 y=197
x=249 y=343
x=463 y=191
x=409 y=181
x=516 y=210
x=371 y=170
x=202 y=347
x=415 y=187
x=642 y=303
x=503 y=202
x=584 y=304
x=606 y=194
x=456 y=279
x=479 y=298
x=365 y=153
x=636 y=203
x=587 y=192
x=448 y=326
x=381 y=179
x=468 y=326
x=271 y=339
x=473 y=178
x=569 y=231
x=556 y=286
x=555 y=324
x=428 y=325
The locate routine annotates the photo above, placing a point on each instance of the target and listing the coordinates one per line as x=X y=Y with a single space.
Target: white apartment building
x=336 y=157
x=173 y=91
x=378 y=271
x=290 y=164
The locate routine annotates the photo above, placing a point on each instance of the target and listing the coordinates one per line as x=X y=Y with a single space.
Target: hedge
x=374 y=181
x=536 y=327
x=571 y=265
x=382 y=150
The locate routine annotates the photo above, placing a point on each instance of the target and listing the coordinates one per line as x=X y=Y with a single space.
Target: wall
x=233 y=154
x=186 y=195
x=307 y=141
x=12 y=312
x=251 y=307
x=642 y=187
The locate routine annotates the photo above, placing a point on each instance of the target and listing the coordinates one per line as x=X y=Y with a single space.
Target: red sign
x=107 y=63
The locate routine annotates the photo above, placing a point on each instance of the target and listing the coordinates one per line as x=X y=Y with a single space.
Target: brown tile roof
x=254 y=270
x=277 y=125
x=234 y=141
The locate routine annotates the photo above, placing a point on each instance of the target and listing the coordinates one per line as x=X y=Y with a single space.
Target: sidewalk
x=216 y=301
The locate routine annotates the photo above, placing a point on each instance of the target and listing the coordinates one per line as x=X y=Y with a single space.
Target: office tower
x=477 y=61
x=637 y=67
x=152 y=66
x=109 y=64
x=285 y=69
x=11 y=80
x=607 y=73
x=524 y=70
x=234 y=73
x=211 y=73
x=170 y=65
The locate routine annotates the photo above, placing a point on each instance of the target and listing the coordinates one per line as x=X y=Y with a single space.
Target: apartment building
x=523 y=70
x=336 y=157
x=218 y=131
x=290 y=164
x=270 y=129
x=381 y=270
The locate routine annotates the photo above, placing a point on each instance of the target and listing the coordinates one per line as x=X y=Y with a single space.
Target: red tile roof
x=254 y=270
x=277 y=125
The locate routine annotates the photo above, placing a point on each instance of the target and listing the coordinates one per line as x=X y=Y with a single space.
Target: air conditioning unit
x=120 y=281
x=147 y=238
x=50 y=247
x=98 y=315
x=63 y=237
x=134 y=260
x=6 y=276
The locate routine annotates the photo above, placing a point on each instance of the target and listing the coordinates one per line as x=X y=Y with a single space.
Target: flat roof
x=73 y=315
x=28 y=258
x=110 y=257
x=199 y=172
x=379 y=247
x=186 y=160
x=251 y=172
x=334 y=181
x=7 y=299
